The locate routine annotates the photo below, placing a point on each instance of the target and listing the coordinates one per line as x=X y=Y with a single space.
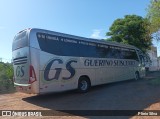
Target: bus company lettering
x=58 y=70
x=89 y=62
x=20 y=71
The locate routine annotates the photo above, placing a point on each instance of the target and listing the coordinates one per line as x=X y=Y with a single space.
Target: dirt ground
x=127 y=95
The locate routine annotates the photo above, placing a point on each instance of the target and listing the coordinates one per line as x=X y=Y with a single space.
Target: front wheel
x=83 y=85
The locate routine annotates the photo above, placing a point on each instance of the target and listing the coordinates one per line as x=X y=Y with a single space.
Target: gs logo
x=68 y=66
x=20 y=71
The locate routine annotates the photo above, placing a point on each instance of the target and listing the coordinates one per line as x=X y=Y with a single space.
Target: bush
x=6 y=75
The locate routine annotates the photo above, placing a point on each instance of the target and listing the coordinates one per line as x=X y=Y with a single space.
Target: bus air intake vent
x=20 y=60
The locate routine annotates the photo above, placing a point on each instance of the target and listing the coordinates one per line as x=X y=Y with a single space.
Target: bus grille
x=20 y=60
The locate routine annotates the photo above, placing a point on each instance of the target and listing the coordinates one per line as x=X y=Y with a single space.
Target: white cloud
x=96 y=33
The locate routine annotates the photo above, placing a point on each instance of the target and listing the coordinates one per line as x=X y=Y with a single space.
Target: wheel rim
x=136 y=76
x=84 y=85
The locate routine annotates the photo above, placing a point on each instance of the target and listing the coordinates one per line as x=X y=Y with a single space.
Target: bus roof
x=83 y=38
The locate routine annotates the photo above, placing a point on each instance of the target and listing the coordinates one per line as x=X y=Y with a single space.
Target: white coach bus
x=46 y=61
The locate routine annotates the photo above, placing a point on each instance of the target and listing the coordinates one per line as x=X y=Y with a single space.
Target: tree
x=133 y=30
x=7 y=70
x=153 y=14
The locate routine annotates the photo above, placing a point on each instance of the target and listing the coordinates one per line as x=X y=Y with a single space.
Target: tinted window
x=63 y=46
x=20 y=40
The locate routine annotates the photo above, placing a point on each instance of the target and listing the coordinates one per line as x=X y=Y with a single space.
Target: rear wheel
x=137 y=77
x=83 y=84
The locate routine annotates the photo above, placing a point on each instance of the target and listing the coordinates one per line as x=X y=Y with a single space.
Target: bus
x=46 y=61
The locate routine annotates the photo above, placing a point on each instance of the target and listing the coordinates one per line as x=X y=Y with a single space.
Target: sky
x=86 y=18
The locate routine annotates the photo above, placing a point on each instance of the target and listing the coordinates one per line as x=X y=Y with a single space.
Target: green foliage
x=6 y=75
x=133 y=30
x=153 y=14
x=7 y=70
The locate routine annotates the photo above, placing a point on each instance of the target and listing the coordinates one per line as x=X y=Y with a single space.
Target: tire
x=83 y=85
x=137 y=77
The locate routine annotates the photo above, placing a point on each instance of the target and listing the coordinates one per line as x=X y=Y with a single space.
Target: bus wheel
x=83 y=84
x=137 y=77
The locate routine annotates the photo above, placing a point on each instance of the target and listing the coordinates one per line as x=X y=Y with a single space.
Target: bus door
x=141 y=65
